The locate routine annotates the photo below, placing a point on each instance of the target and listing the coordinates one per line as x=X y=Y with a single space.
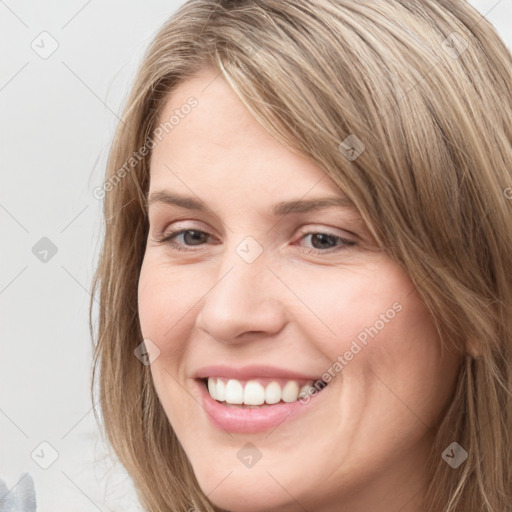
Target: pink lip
x=248 y=372
x=244 y=420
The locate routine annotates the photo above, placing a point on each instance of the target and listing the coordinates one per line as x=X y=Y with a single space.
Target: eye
x=197 y=236
x=322 y=242
x=325 y=242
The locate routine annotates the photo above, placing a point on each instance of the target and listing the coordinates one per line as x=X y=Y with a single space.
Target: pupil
x=324 y=237
x=197 y=236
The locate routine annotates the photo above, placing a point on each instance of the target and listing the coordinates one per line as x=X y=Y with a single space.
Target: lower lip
x=245 y=420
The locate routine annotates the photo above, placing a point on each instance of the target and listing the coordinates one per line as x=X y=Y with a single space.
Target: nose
x=244 y=300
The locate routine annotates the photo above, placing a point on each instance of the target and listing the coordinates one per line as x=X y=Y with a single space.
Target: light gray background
x=58 y=117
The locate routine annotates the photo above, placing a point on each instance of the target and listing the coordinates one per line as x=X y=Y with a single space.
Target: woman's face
x=266 y=304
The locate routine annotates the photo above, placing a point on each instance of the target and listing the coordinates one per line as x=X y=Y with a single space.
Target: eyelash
x=345 y=243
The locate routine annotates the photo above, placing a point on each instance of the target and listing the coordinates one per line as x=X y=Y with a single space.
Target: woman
x=305 y=280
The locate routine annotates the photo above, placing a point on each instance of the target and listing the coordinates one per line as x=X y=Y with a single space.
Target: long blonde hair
x=407 y=106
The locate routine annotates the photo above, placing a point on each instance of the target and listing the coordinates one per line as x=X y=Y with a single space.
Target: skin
x=363 y=445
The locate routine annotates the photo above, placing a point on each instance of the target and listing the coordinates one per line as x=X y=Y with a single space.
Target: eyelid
x=177 y=226
x=317 y=228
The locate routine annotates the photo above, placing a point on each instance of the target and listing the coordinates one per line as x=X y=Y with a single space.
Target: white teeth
x=290 y=392
x=273 y=393
x=234 y=392
x=254 y=393
x=303 y=393
x=220 y=390
x=212 y=389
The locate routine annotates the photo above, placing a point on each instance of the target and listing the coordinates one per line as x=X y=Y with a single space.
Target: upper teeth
x=233 y=391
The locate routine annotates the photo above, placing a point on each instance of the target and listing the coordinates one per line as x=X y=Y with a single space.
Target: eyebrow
x=278 y=209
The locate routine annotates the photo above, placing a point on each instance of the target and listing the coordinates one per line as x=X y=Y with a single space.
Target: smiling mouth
x=259 y=393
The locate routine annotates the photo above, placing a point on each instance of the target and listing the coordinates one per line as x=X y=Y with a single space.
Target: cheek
x=343 y=308
x=379 y=337
x=166 y=297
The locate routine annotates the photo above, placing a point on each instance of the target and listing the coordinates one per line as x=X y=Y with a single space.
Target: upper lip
x=251 y=371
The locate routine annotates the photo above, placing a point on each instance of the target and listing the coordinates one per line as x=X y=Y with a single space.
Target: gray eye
x=195 y=236
x=325 y=241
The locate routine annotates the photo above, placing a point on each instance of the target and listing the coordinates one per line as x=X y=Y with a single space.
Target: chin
x=242 y=489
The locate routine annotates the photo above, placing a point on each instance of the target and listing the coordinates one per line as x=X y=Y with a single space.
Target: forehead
x=219 y=140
